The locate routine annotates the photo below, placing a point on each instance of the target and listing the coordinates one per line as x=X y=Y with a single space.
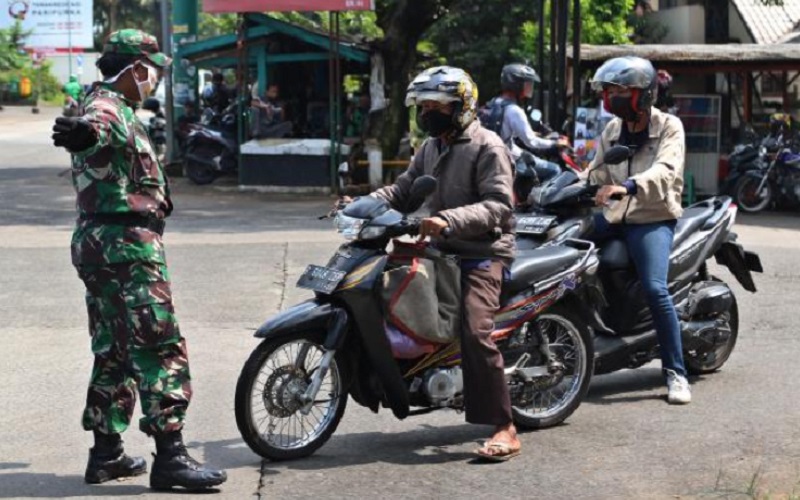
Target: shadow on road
x=42 y=485
x=427 y=445
x=627 y=387
x=777 y=220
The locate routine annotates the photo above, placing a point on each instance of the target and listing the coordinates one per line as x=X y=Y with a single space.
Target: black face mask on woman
x=623 y=107
x=435 y=123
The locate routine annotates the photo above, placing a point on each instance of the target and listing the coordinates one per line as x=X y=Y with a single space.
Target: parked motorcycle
x=777 y=183
x=293 y=390
x=707 y=307
x=156 y=126
x=211 y=147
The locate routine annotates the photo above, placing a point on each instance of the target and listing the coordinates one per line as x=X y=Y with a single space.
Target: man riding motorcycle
x=472 y=206
x=517 y=81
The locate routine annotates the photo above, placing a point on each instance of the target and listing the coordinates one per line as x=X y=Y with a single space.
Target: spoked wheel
x=548 y=401
x=750 y=198
x=270 y=413
x=708 y=361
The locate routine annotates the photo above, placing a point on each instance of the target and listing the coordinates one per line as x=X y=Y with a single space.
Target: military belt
x=151 y=222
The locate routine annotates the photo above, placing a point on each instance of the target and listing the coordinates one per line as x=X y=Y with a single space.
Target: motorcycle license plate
x=535 y=225
x=320 y=279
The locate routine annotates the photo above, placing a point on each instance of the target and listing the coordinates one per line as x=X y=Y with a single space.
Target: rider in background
x=650 y=184
x=73 y=91
x=516 y=81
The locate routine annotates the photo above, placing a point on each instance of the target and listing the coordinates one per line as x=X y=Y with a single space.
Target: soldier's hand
x=75 y=134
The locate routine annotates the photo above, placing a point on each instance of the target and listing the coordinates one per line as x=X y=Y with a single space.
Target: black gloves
x=75 y=134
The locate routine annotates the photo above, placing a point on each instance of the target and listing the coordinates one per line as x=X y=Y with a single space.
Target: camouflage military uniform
x=135 y=337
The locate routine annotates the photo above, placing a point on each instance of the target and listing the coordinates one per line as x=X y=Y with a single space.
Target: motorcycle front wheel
x=548 y=402
x=749 y=198
x=269 y=413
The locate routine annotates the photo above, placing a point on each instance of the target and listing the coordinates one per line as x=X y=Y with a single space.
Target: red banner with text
x=218 y=6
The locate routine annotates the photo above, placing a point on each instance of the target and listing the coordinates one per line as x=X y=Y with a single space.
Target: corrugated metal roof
x=769 y=23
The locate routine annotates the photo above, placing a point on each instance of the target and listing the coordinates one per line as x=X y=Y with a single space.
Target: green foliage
x=354 y=24
x=483 y=35
x=16 y=64
x=12 y=57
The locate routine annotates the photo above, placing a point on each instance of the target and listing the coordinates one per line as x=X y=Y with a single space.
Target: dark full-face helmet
x=631 y=72
x=446 y=84
x=514 y=77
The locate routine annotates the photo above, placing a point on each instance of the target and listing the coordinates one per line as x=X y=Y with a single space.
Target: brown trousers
x=486 y=395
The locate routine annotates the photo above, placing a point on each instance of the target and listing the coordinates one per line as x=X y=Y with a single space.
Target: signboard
x=285 y=5
x=589 y=124
x=52 y=23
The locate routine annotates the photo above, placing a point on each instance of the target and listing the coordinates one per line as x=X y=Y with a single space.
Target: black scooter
x=211 y=147
x=707 y=307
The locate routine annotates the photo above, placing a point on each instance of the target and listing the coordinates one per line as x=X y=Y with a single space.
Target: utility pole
x=166 y=37
x=69 y=34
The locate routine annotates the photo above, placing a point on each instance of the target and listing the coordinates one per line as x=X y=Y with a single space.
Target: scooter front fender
x=311 y=315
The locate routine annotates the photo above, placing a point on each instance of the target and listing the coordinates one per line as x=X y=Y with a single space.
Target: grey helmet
x=633 y=73
x=446 y=84
x=514 y=76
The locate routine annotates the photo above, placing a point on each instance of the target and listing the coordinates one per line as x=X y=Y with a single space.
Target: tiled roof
x=769 y=24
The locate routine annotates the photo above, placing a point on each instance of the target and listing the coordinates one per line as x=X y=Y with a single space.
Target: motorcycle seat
x=531 y=266
x=691 y=220
x=614 y=253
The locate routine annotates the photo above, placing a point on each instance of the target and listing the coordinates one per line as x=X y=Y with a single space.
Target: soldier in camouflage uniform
x=123 y=198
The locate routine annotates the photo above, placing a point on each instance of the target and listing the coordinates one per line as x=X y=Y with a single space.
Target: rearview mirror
x=536 y=115
x=616 y=154
x=422 y=187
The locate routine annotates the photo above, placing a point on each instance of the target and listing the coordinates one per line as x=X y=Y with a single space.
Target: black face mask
x=622 y=107
x=435 y=123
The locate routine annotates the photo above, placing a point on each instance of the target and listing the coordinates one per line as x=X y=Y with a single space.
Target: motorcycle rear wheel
x=709 y=362
x=200 y=173
x=749 y=199
x=268 y=414
x=571 y=343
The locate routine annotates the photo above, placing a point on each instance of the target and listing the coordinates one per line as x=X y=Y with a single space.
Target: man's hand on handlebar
x=431 y=226
x=609 y=192
x=563 y=143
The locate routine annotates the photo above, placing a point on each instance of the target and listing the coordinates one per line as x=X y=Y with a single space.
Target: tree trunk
x=403 y=23
x=113 y=16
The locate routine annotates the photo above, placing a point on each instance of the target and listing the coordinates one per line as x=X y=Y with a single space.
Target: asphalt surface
x=234 y=258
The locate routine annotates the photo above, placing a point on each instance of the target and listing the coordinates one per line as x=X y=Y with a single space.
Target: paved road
x=234 y=258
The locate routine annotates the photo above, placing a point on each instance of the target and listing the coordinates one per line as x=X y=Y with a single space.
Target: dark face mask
x=621 y=106
x=435 y=123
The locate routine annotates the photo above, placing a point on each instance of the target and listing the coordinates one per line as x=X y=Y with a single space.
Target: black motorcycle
x=774 y=184
x=293 y=389
x=211 y=147
x=156 y=126
x=707 y=307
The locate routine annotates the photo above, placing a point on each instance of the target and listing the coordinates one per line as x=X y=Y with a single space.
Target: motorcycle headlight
x=372 y=232
x=349 y=227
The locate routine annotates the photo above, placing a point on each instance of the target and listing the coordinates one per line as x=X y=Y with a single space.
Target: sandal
x=501 y=451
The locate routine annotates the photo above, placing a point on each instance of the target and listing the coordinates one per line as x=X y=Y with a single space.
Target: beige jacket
x=473 y=193
x=656 y=168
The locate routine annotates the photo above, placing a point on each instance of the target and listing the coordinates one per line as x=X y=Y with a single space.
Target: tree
x=404 y=22
x=113 y=15
x=12 y=57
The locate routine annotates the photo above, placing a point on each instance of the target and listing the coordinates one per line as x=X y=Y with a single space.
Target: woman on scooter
x=649 y=184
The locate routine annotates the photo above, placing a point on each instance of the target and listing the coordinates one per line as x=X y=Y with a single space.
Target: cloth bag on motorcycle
x=422 y=293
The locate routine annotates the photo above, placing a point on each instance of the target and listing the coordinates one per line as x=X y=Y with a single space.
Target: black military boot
x=108 y=461
x=174 y=467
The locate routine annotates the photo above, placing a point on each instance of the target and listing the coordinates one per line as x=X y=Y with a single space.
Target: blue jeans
x=529 y=164
x=649 y=246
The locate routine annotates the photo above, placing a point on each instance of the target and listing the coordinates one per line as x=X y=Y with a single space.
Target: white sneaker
x=679 y=392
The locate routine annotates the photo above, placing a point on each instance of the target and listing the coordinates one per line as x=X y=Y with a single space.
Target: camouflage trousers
x=137 y=345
